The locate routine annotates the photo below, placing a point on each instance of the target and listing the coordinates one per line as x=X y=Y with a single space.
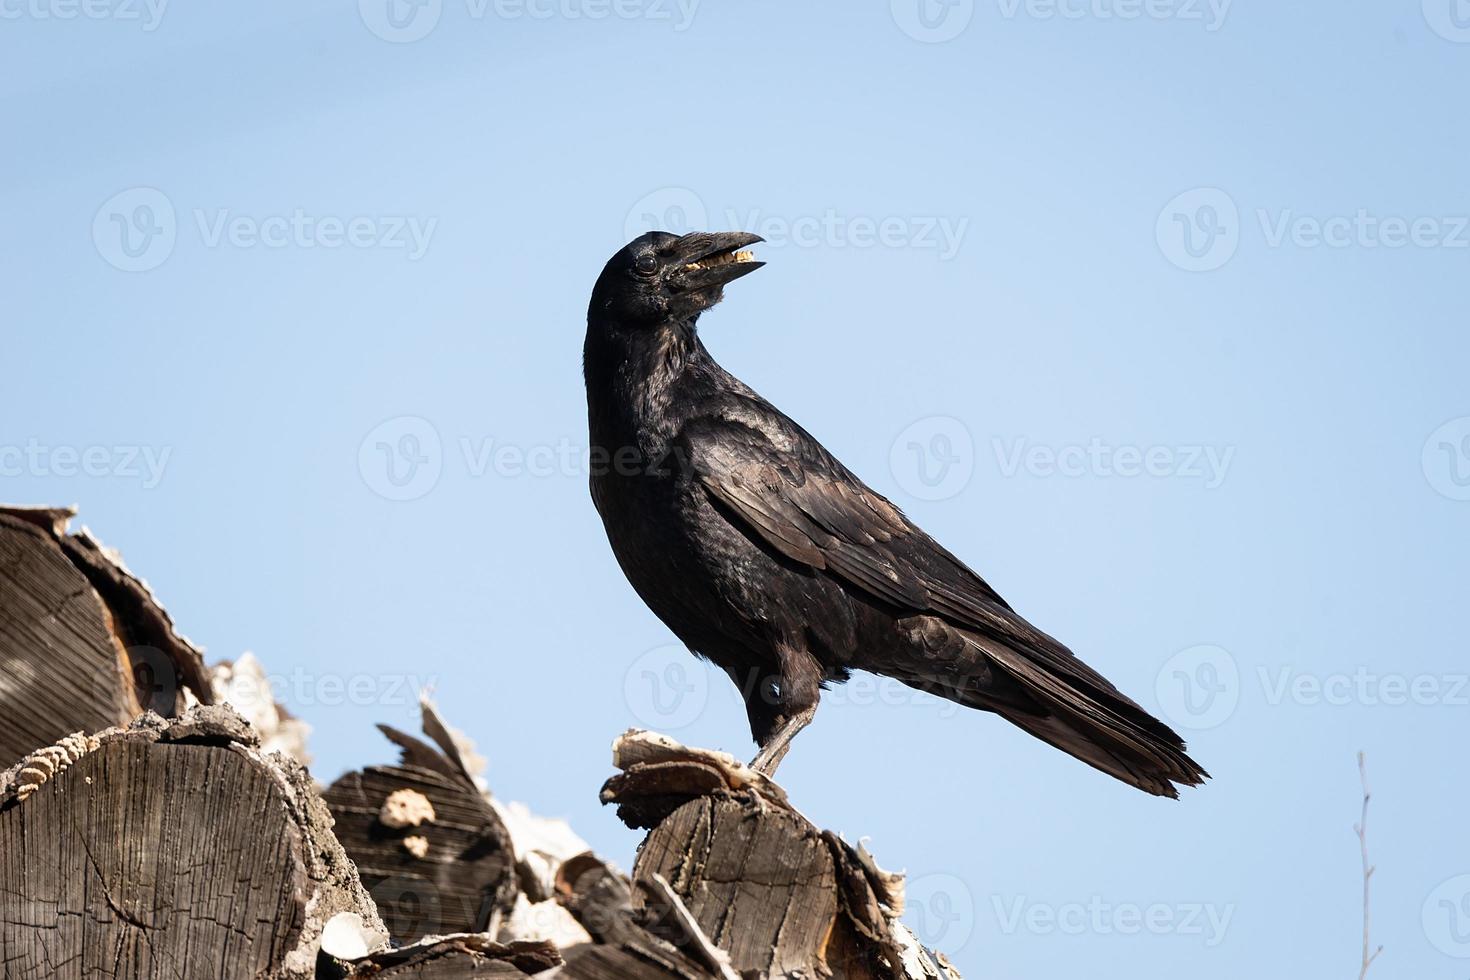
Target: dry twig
x=1362 y=831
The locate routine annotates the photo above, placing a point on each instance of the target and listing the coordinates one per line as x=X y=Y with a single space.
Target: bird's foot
x=769 y=758
x=775 y=750
x=762 y=807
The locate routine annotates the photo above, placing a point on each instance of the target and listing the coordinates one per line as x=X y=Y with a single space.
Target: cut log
x=779 y=896
x=576 y=902
x=61 y=668
x=430 y=848
x=177 y=846
x=83 y=643
x=165 y=664
x=167 y=849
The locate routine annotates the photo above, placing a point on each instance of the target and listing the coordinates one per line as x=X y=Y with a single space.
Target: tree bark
x=167 y=849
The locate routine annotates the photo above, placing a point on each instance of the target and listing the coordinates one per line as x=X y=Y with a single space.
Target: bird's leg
x=774 y=751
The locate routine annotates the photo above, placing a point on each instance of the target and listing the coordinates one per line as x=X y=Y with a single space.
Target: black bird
x=764 y=554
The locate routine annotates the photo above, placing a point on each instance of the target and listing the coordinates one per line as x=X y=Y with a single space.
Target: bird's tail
x=1037 y=684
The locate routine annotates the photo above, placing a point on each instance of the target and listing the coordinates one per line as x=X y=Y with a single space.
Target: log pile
x=148 y=829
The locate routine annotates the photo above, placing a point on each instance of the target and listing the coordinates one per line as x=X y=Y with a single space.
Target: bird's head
x=772 y=700
x=660 y=277
x=766 y=707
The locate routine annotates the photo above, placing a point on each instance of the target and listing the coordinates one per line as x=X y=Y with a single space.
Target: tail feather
x=1049 y=693
x=1150 y=766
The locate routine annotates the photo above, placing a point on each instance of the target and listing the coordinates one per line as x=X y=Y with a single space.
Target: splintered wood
x=146 y=831
x=431 y=850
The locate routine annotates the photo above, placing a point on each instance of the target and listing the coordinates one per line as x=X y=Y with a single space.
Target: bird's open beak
x=713 y=259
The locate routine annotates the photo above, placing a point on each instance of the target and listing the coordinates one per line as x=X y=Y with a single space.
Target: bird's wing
x=779 y=484
x=787 y=490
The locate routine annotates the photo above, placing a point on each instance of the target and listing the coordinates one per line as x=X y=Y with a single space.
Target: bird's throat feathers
x=637 y=371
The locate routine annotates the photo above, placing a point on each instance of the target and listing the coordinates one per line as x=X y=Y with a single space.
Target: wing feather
x=792 y=494
x=807 y=506
x=785 y=490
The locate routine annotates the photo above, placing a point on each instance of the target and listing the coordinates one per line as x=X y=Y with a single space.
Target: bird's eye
x=646 y=265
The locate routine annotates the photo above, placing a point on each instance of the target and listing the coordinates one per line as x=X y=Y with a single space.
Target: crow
x=767 y=556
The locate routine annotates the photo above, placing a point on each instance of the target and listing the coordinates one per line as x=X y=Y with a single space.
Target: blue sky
x=1154 y=312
